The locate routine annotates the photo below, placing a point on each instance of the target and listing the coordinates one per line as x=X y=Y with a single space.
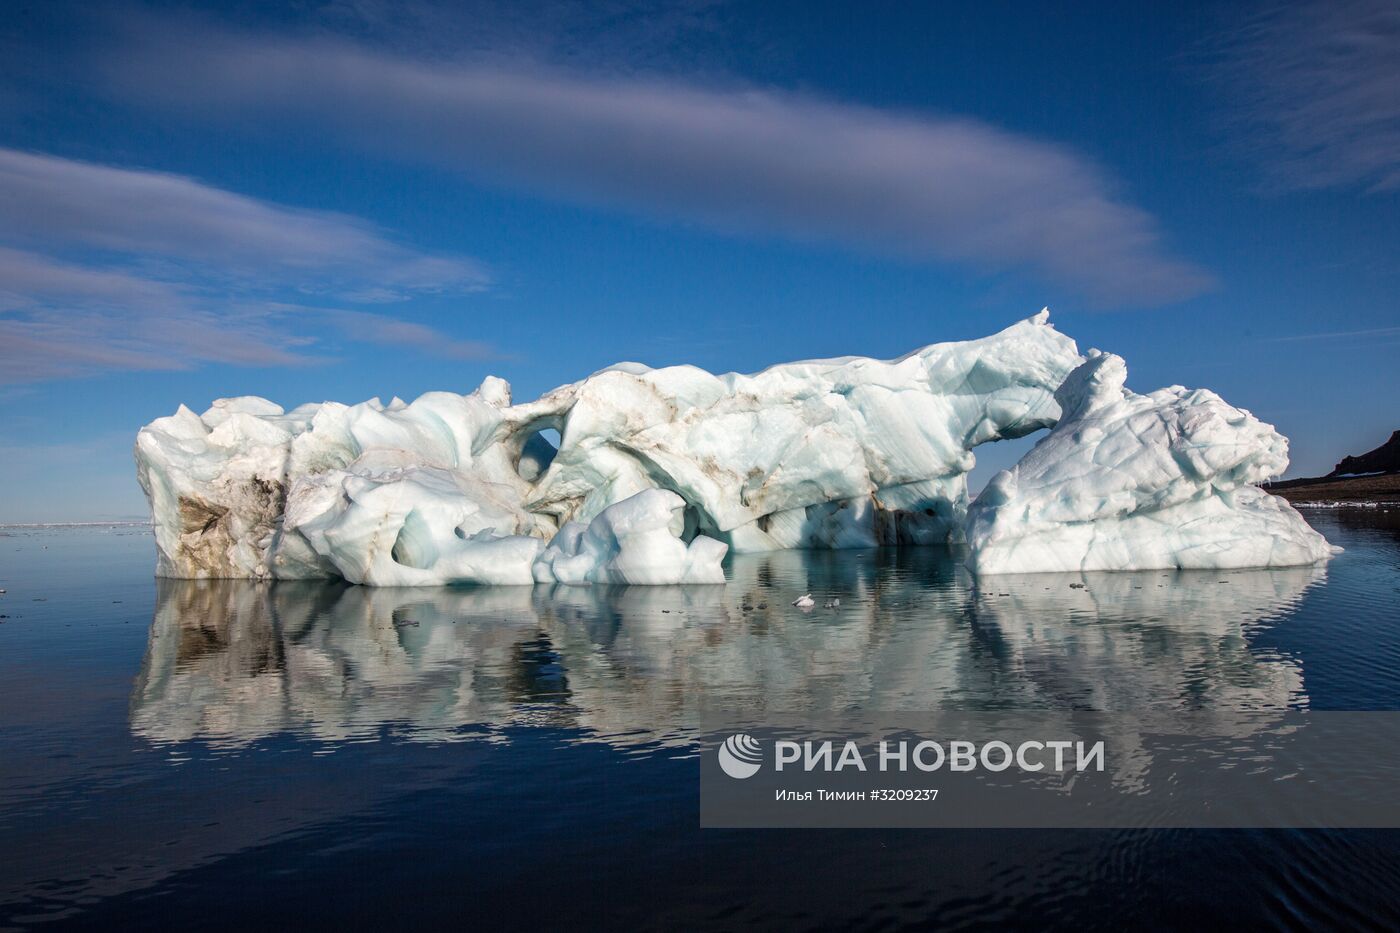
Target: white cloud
x=53 y=200
x=914 y=185
x=381 y=329
x=119 y=269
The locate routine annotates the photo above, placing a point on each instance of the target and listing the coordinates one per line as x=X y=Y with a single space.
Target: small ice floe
x=804 y=602
x=1357 y=504
x=831 y=603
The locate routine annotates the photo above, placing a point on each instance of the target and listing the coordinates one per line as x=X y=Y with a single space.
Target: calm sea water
x=232 y=756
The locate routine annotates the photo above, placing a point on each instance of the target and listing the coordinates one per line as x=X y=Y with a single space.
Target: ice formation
x=847 y=452
x=660 y=471
x=634 y=541
x=1140 y=482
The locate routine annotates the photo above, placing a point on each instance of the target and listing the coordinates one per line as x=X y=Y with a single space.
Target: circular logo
x=740 y=756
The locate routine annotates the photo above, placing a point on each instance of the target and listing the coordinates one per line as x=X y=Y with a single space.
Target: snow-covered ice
x=634 y=541
x=1140 y=482
x=659 y=471
x=846 y=452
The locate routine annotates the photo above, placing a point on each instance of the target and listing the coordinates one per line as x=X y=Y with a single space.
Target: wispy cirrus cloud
x=1315 y=92
x=1369 y=335
x=53 y=200
x=381 y=329
x=736 y=159
x=62 y=319
x=121 y=269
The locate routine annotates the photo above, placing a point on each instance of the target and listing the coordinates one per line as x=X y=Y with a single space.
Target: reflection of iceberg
x=1089 y=640
x=1149 y=641
x=233 y=662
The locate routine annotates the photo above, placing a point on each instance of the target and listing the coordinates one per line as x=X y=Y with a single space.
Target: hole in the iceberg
x=692 y=523
x=414 y=546
x=995 y=456
x=696 y=521
x=537 y=454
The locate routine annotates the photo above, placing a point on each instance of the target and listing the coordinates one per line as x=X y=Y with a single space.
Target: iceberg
x=1140 y=482
x=845 y=452
x=660 y=472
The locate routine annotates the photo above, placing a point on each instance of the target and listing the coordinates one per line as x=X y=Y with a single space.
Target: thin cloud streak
x=48 y=199
x=1315 y=92
x=367 y=327
x=60 y=319
x=1342 y=334
x=73 y=328
x=114 y=269
x=918 y=186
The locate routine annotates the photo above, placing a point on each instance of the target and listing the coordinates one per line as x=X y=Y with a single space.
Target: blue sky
x=339 y=200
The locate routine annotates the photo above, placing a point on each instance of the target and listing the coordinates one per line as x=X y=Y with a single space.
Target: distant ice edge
x=659 y=472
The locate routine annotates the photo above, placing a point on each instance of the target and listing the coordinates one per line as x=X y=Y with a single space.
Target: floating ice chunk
x=1140 y=482
x=845 y=452
x=634 y=541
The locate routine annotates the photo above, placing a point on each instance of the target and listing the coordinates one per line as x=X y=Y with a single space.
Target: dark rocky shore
x=1371 y=477
x=1381 y=488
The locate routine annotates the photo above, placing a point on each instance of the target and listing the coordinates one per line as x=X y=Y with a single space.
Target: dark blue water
x=231 y=756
